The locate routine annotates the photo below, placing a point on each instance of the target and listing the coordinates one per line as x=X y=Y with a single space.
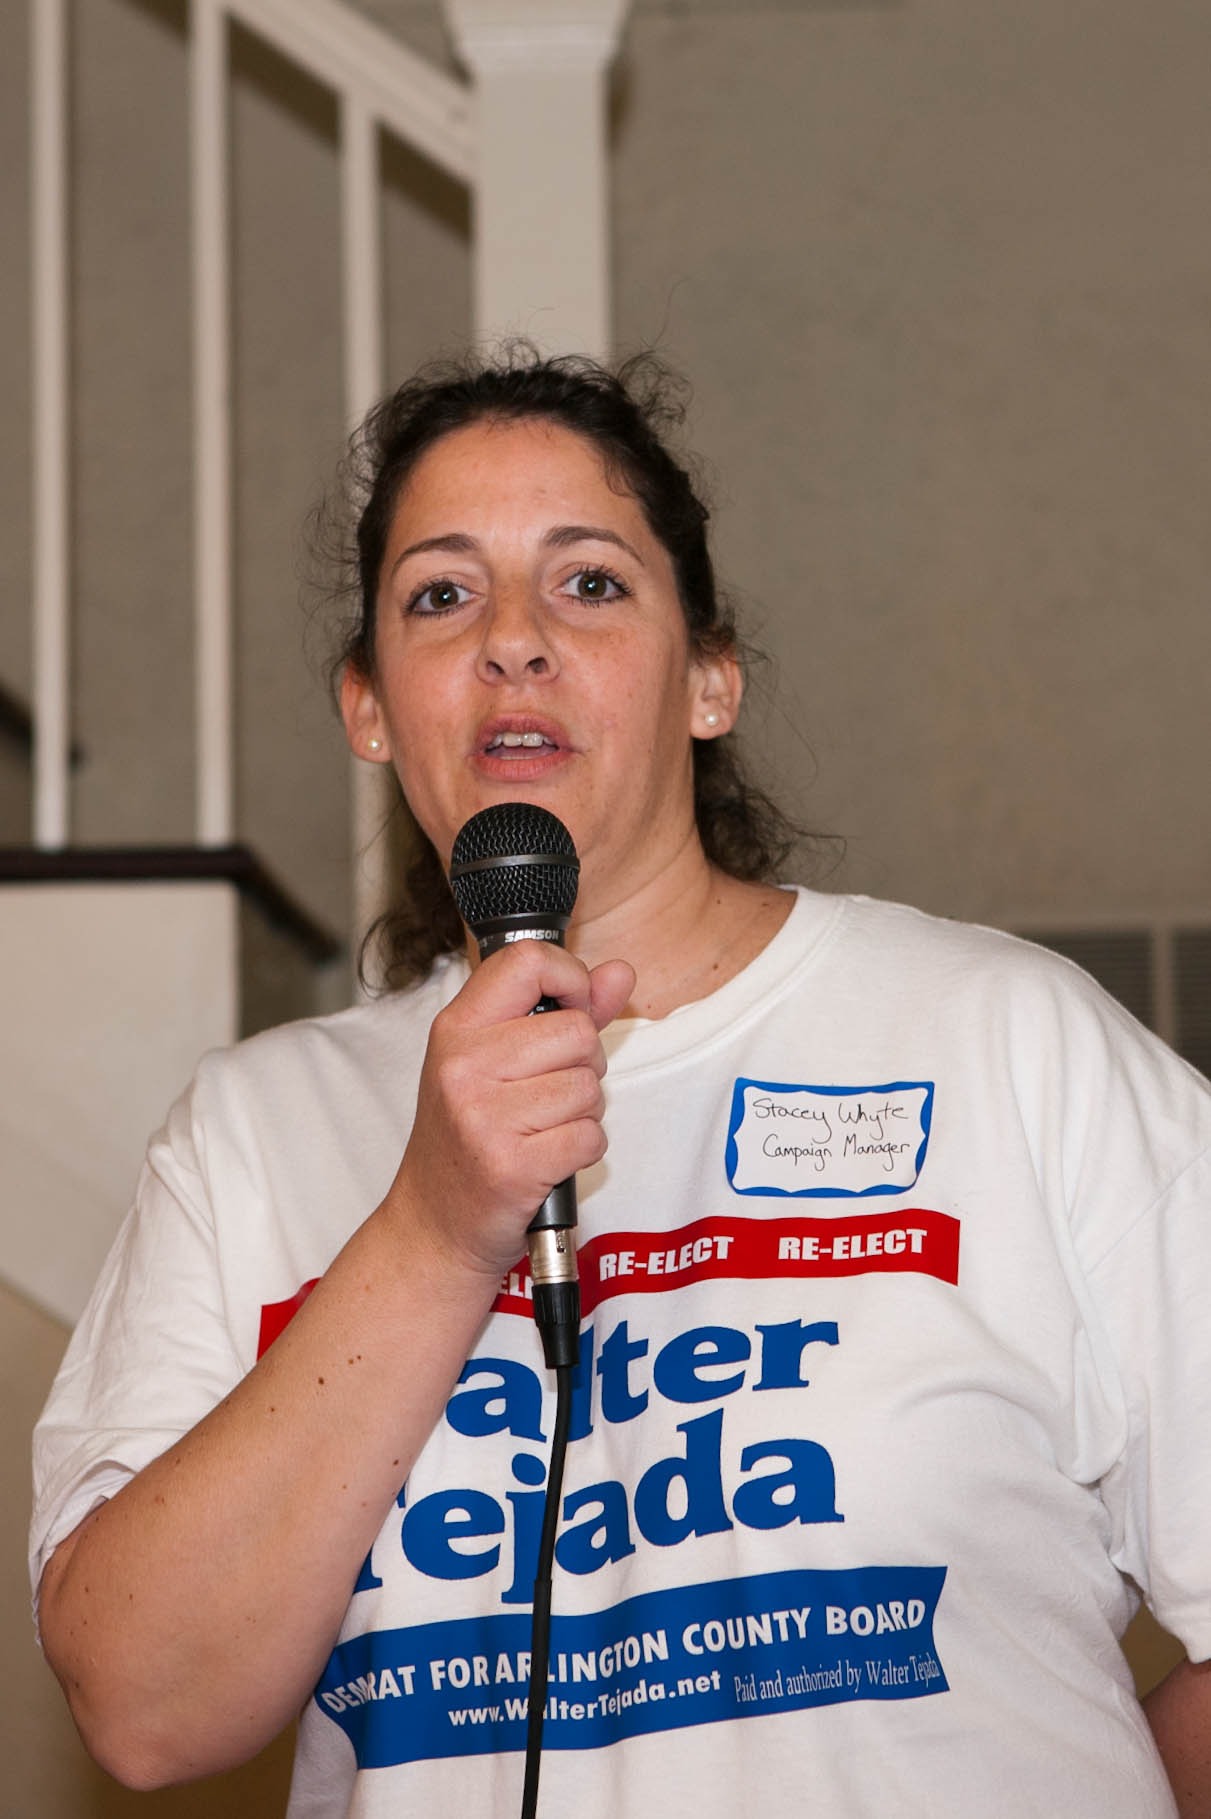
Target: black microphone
x=514 y=875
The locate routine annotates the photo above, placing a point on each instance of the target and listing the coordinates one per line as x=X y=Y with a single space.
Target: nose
x=515 y=645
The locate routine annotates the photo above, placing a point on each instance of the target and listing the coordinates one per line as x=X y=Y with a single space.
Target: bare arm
x=189 y=1617
x=1179 y=1711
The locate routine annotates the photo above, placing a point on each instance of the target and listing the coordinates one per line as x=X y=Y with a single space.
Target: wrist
x=431 y=1253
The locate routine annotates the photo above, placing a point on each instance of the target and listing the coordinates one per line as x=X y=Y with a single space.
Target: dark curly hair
x=626 y=415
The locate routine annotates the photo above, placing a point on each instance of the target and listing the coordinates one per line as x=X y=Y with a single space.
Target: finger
x=510 y=982
x=530 y=1046
x=565 y=1097
x=563 y=1152
x=610 y=986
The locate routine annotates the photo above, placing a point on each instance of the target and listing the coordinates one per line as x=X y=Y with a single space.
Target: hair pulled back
x=626 y=415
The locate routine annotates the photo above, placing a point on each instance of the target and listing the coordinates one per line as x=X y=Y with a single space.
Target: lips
x=516 y=738
x=509 y=742
x=520 y=749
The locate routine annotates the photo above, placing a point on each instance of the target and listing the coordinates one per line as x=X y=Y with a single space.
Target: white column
x=209 y=134
x=362 y=271
x=51 y=487
x=362 y=259
x=541 y=216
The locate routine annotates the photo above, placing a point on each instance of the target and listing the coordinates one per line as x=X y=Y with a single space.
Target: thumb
x=610 y=985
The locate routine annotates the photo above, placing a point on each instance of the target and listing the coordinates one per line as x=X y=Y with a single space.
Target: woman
x=892 y=1258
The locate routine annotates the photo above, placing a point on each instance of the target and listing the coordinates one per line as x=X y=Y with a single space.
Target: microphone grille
x=513 y=859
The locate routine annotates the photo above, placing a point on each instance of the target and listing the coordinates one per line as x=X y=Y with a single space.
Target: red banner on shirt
x=648 y=1263
x=914 y=1240
x=277 y=1315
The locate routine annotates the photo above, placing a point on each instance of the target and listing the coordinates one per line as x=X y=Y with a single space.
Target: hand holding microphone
x=514 y=874
x=509 y=1103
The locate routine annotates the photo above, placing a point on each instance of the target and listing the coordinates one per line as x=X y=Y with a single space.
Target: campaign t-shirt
x=893 y=1389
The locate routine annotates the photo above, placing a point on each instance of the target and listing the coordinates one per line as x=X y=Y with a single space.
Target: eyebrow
x=565 y=534
x=561 y=536
x=456 y=541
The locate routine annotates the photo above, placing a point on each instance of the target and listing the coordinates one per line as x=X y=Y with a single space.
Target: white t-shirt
x=896 y=1373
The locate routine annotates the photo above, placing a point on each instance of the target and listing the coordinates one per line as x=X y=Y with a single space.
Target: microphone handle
x=551 y=1243
x=558 y=1210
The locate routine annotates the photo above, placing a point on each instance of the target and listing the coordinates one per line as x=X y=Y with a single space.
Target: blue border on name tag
x=732 y=1154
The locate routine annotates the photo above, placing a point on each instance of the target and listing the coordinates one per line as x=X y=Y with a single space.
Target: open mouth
x=527 y=743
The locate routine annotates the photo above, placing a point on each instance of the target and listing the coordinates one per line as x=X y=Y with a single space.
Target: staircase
x=212 y=307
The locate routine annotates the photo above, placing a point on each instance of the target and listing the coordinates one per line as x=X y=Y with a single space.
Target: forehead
x=529 y=466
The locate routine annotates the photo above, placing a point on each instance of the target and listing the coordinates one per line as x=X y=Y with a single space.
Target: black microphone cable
x=540 y=1622
x=514 y=875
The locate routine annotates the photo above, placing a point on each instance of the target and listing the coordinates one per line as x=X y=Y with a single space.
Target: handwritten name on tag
x=827 y=1140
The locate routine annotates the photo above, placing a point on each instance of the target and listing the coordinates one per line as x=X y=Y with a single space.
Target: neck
x=687 y=929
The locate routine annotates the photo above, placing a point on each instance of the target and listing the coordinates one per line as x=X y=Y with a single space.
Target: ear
x=716 y=686
x=365 y=728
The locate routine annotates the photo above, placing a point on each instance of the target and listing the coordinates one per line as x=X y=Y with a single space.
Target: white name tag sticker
x=827 y=1141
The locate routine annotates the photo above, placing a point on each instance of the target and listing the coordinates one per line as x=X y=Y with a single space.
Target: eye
x=438 y=597
x=595 y=584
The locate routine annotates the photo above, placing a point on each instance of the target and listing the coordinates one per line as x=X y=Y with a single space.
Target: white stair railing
x=209 y=163
x=542 y=156
x=378 y=82
x=49 y=365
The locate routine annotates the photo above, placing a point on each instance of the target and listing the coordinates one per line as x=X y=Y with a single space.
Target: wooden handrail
x=236 y=865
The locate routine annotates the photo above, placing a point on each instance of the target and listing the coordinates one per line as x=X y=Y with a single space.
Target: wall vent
x=1192 y=983
x=1162 y=975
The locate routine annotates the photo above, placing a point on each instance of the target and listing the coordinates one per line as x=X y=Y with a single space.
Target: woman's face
x=531 y=646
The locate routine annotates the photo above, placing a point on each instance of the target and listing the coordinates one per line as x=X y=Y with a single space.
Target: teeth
x=515 y=739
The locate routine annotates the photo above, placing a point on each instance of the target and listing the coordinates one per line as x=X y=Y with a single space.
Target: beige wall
x=940 y=275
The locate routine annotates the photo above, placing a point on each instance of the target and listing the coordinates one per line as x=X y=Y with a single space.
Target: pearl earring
x=711 y=717
x=374 y=745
